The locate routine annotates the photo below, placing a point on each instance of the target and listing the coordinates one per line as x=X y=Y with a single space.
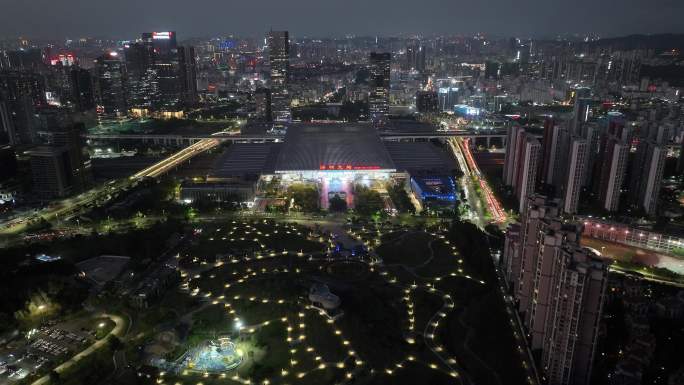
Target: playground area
x=212 y=357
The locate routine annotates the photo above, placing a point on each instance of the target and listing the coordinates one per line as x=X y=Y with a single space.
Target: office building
x=6 y=125
x=49 y=167
x=23 y=59
x=8 y=160
x=21 y=93
x=70 y=136
x=415 y=57
x=110 y=75
x=161 y=76
x=378 y=99
x=82 y=89
x=262 y=104
x=166 y=66
x=188 y=74
x=448 y=98
x=680 y=161
x=279 y=59
x=141 y=80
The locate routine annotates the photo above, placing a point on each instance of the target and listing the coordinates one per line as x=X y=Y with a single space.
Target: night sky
x=322 y=18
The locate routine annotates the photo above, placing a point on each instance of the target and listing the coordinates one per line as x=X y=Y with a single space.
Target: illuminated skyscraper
x=262 y=104
x=141 y=77
x=188 y=74
x=279 y=58
x=161 y=75
x=21 y=92
x=379 y=86
x=415 y=57
x=110 y=75
x=167 y=69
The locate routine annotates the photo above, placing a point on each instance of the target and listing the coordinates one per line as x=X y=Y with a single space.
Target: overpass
x=177 y=159
x=187 y=140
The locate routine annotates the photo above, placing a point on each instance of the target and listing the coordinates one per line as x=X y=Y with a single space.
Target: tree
x=367 y=201
x=114 y=343
x=337 y=204
x=305 y=196
x=401 y=199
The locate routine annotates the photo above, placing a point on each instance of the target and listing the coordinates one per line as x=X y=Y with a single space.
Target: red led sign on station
x=344 y=167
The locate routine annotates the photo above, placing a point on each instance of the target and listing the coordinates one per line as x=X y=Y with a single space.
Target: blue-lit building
x=466 y=110
x=434 y=189
x=447 y=97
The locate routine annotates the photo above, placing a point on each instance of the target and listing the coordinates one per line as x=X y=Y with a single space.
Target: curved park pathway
x=118 y=331
x=448 y=305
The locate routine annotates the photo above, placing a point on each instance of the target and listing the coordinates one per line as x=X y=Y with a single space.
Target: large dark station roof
x=353 y=146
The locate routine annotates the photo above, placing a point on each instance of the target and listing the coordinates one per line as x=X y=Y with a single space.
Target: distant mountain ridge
x=659 y=42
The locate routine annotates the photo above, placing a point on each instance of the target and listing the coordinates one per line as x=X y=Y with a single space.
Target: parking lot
x=41 y=348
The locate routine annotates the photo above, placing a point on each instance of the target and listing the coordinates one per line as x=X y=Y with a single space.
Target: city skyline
x=442 y=193
x=75 y=18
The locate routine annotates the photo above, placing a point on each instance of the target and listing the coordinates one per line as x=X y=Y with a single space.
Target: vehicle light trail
x=462 y=151
x=177 y=159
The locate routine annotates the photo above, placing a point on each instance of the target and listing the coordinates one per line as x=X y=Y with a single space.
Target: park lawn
x=321 y=335
x=491 y=355
x=410 y=250
x=213 y=320
x=425 y=305
x=247 y=238
x=272 y=339
x=444 y=262
x=375 y=321
x=414 y=373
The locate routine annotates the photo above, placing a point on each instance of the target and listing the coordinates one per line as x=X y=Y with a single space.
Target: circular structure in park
x=215 y=356
x=348 y=271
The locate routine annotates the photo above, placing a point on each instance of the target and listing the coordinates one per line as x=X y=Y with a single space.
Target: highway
x=461 y=149
x=65 y=207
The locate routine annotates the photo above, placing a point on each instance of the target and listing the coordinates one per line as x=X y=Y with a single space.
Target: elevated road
x=175 y=160
x=172 y=139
